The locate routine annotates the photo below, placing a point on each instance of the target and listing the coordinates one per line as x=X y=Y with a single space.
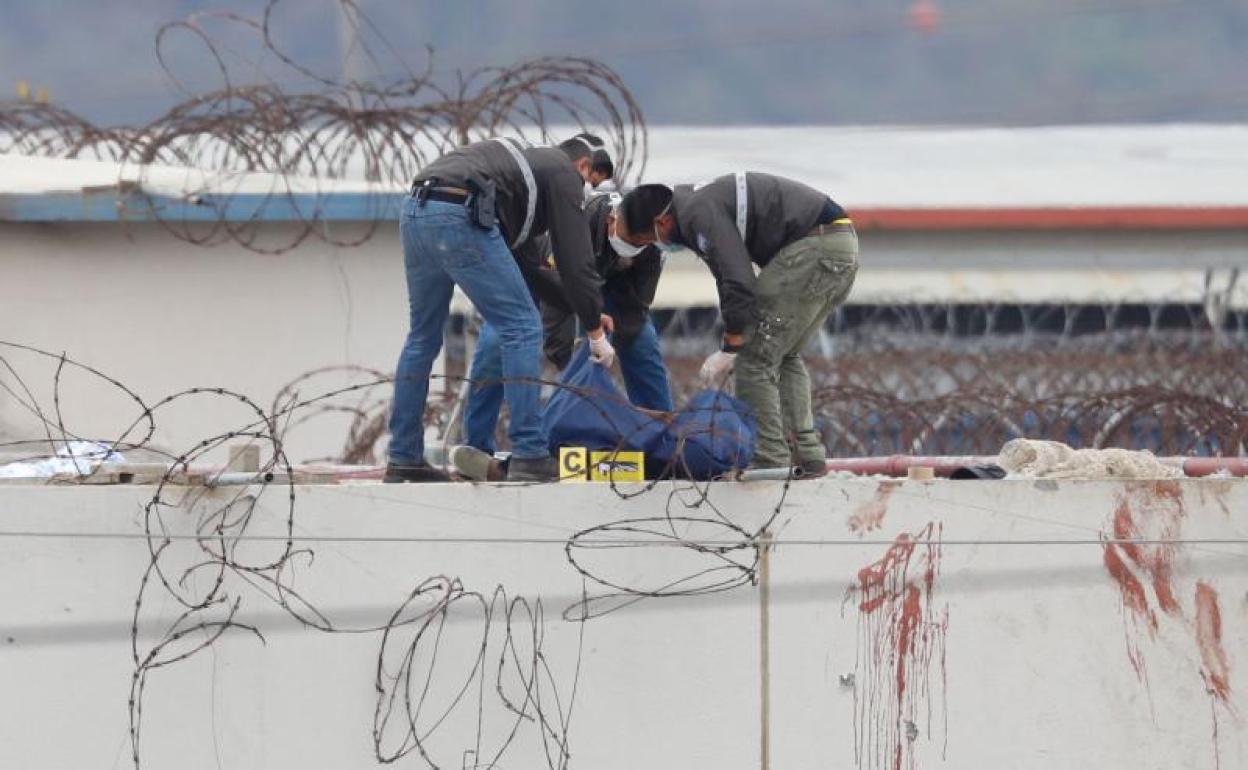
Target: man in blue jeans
x=472 y=216
x=630 y=276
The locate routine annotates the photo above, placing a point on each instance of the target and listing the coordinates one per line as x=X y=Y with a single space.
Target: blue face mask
x=664 y=246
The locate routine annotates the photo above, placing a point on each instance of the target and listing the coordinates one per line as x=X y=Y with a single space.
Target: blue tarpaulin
x=711 y=435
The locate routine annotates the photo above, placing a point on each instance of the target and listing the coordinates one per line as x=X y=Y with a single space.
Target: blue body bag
x=713 y=434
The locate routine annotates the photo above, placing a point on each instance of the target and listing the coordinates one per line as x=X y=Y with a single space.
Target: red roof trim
x=1084 y=218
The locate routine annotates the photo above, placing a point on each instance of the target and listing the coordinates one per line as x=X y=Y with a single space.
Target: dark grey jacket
x=780 y=212
x=558 y=212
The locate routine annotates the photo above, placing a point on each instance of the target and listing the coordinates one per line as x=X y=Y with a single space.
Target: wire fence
x=325 y=129
x=1180 y=393
x=966 y=379
x=1112 y=325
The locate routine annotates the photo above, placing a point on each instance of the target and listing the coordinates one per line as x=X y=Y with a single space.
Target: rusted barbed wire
x=855 y=422
x=943 y=402
x=1028 y=374
x=47 y=130
x=197 y=538
x=334 y=131
x=1108 y=325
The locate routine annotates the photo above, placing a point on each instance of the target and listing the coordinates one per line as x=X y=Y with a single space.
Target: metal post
x=764 y=646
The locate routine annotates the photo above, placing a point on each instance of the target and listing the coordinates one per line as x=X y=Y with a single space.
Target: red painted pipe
x=1206 y=466
x=898 y=465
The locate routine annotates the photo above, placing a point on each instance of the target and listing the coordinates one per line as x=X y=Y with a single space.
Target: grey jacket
x=560 y=193
x=780 y=211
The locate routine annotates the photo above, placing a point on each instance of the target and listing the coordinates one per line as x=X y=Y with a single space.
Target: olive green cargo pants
x=795 y=294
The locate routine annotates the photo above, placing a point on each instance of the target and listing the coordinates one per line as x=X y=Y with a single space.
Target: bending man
x=629 y=275
x=468 y=212
x=808 y=251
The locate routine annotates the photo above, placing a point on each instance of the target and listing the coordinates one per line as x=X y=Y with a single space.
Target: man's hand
x=608 y=324
x=716 y=368
x=600 y=350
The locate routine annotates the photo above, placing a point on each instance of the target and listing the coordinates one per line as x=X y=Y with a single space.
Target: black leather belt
x=425 y=191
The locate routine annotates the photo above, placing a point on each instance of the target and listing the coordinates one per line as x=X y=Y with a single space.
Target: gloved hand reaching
x=600 y=350
x=716 y=368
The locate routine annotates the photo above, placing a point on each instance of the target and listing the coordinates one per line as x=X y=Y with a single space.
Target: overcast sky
x=705 y=61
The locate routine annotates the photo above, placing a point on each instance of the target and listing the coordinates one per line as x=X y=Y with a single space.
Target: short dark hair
x=586 y=145
x=601 y=163
x=643 y=204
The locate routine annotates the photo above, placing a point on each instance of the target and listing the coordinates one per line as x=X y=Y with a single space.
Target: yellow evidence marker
x=579 y=464
x=617 y=466
x=573 y=463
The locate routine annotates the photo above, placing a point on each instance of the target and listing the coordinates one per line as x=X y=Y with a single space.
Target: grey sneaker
x=474 y=464
x=533 y=469
x=413 y=474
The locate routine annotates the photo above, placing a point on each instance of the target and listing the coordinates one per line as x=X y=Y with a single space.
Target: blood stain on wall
x=901 y=637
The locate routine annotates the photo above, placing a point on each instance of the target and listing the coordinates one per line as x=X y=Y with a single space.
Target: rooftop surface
x=1184 y=176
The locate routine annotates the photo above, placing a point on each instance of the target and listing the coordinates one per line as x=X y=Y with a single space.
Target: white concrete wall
x=997 y=652
x=162 y=315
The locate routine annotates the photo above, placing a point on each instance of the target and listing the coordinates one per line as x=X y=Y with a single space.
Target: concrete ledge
x=964 y=624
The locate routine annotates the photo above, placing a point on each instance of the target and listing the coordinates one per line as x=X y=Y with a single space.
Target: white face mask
x=623 y=248
x=589 y=189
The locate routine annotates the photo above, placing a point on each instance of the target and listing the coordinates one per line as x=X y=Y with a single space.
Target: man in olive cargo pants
x=806 y=246
x=795 y=294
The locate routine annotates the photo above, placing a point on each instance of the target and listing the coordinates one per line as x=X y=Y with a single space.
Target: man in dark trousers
x=630 y=275
x=467 y=213
x=807 y=250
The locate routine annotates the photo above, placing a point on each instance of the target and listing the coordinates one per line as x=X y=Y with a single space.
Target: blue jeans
x=442 y=249
x=641 y=362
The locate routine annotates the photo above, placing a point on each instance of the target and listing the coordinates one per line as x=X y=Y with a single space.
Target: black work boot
x=811 y=469
x=413 y=474
x=533 y=469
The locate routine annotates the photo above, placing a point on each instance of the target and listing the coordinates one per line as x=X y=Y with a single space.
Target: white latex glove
x=600 y=350
x=716 y=368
